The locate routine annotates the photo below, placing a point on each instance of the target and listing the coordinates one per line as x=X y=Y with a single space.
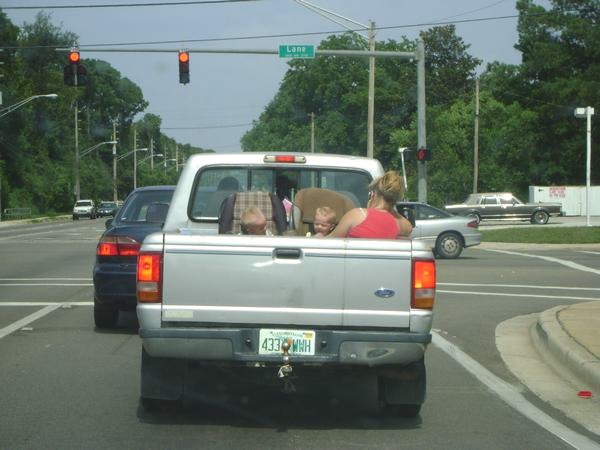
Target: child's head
x=324 y=220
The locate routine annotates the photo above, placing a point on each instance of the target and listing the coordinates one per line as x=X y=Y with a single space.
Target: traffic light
x=184 y=67
x=423 y=154
x=74 y=72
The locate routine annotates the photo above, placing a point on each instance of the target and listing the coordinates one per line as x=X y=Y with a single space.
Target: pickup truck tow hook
x=285 y=371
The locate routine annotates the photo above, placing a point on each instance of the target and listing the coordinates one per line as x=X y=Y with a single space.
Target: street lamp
x=587 y=113
x=11 y=108
x=78 y=156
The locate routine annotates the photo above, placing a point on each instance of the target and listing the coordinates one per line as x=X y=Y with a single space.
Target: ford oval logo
x=384 y=293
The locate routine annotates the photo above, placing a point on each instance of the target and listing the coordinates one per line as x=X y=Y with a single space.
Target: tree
x=560 y=71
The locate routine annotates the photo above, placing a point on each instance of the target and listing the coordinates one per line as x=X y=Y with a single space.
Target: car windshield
x=83 y=203
x=108 y=205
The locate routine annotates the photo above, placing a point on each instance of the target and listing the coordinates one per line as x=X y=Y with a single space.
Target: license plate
x=302 y=341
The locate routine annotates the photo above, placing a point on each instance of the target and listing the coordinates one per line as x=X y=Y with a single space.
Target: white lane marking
x=27 y=320
x=46 y=284
x=564 y=262
x=587 y=251
x=512 y=396
x=502 y=294
x=30 y=303
x=45 y=279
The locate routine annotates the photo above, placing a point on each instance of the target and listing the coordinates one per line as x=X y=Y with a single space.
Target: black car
x=107 y=209
x=143 y=213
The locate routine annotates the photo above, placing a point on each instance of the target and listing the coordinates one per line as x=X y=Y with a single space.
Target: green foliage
x=546 y=235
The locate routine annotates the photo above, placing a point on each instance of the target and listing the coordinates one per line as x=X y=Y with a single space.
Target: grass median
x=540 y=235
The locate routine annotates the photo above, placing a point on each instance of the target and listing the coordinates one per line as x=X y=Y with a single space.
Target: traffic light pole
x=418 y=56
x=421 y=136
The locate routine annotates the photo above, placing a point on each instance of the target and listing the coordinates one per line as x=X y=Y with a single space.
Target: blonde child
x=324 y=221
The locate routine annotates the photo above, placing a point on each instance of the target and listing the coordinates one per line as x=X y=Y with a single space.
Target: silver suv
x=84 y=208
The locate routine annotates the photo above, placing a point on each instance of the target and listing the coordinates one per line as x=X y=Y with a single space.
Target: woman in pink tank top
x=380 y=219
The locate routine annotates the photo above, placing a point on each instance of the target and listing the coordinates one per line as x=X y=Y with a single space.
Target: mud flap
x=403 y=385
x=161 y=378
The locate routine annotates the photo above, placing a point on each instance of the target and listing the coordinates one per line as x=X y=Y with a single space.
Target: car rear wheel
x=449 y=245
x=475 y=215
x=540 y=217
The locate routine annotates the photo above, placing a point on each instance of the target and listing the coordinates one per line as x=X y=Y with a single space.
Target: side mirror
x=108 y=223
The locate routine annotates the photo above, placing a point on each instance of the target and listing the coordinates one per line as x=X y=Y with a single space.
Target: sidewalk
x=571 y=336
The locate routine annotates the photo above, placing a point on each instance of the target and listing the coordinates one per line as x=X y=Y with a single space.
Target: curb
x=566 y=354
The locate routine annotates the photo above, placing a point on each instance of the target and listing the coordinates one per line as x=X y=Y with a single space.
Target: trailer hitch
x=285 y=371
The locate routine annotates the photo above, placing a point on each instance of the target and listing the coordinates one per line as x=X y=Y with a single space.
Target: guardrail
x=16 y=213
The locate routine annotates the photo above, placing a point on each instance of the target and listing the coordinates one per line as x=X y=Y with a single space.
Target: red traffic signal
x=184 y=67
x=74 y=57
x=74 y=72
x=423 y=154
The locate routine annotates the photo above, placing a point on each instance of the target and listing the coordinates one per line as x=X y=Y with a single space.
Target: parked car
x=446 y=234
x=114 y=273
x=504 y=205
x=107 y=209
x=84 y=208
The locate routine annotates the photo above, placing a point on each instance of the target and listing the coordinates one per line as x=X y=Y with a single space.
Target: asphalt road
x=66 y=385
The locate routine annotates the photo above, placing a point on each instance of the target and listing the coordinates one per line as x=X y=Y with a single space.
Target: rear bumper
x=368 y=348
x=115 y=285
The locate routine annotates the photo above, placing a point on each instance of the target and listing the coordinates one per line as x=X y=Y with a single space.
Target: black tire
x=105 y=317
x=75 y=217
x=540 y=217
x=475 y=215
x=407 y=411
x=449 y=245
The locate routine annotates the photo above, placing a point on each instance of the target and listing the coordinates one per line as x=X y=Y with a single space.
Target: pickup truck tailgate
x=231 y=279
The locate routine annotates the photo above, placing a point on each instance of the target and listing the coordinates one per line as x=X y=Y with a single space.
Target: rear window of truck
x=214 y=184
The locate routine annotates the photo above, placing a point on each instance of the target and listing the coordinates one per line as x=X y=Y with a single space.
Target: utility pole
x=476 y=139
x=371 y=105
x=312 y=132
x=151 y=153
x=77 y=184
x=421 y=134
x=114 y=152
x=134 y=158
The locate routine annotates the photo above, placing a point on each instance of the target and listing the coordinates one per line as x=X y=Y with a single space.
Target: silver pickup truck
x=283 y=310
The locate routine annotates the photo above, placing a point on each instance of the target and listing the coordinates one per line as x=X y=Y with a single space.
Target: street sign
x=297 y=51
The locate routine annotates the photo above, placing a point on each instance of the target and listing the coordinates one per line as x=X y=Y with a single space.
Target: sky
x=228 y=91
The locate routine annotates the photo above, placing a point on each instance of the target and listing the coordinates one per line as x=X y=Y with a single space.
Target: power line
x=207 y=127
x=271 y=36
x=127 y=5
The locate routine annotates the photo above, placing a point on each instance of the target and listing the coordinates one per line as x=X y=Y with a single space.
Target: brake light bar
x=423 y=284
x=284 y=159
x=118 y=246
x=149 y=277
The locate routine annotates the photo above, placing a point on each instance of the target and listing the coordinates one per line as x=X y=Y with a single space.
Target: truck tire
x=402 y=389
x=540 y=217
x=449 y=245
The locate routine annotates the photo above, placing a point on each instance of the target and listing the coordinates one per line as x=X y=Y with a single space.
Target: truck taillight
x=149 y=277
x=423 y=284
x=117 y=246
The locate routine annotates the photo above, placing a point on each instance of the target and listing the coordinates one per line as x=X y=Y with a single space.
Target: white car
x=84 y=208
x=446 y=234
